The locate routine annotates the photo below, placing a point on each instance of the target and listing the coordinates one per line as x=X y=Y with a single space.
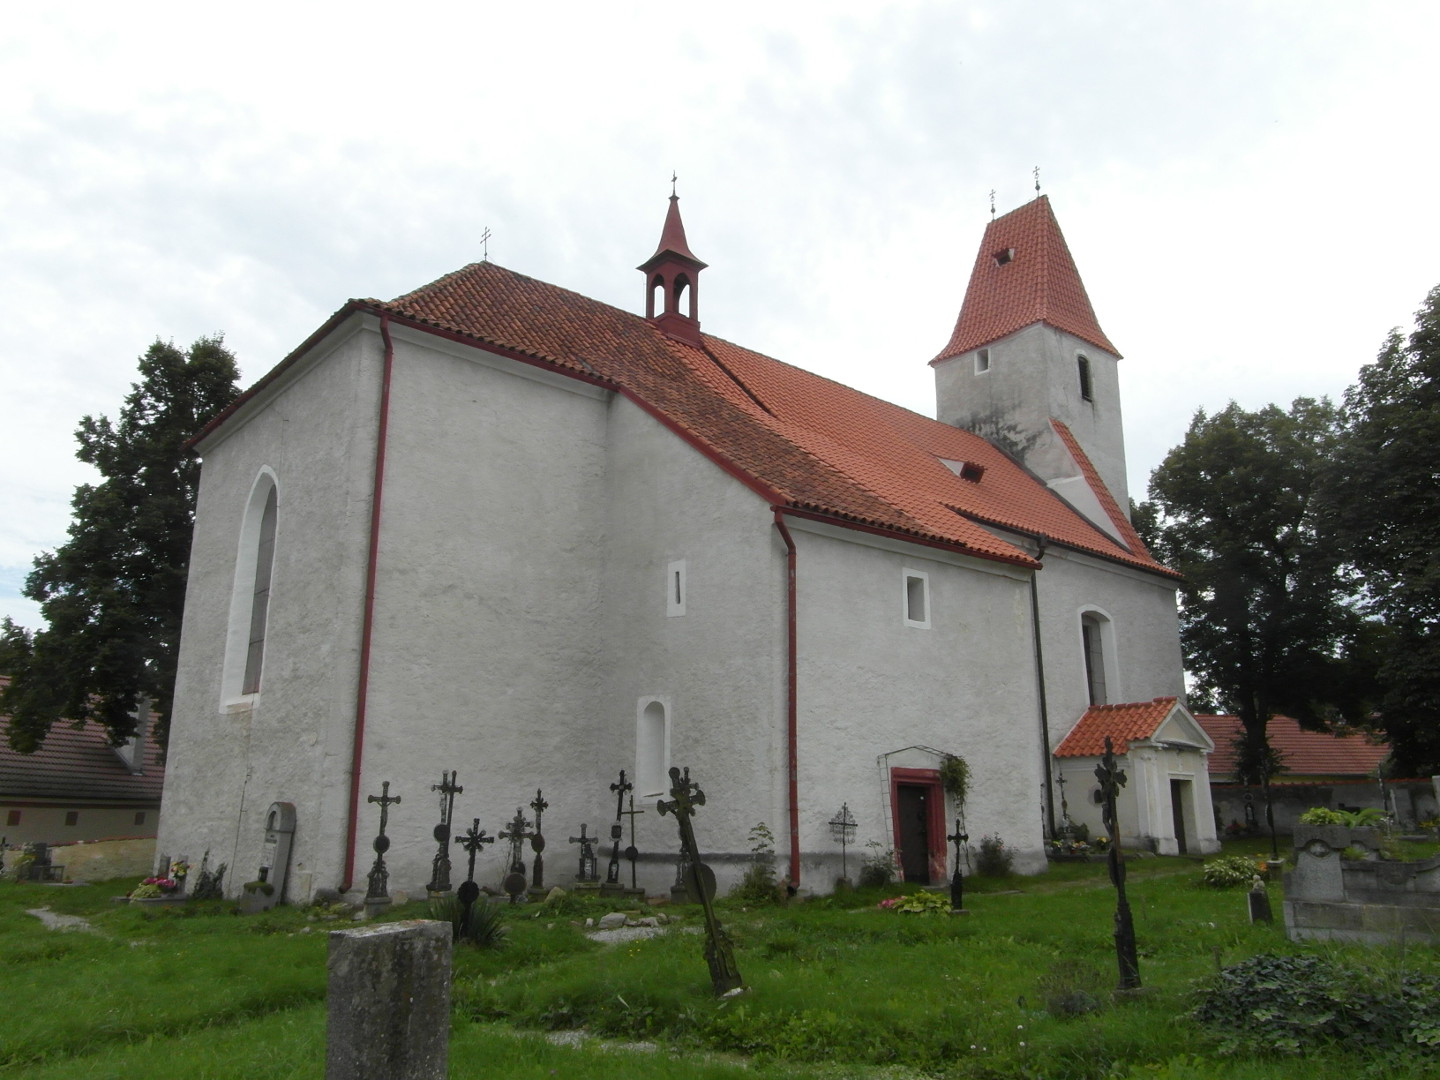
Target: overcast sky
x=1248 y=188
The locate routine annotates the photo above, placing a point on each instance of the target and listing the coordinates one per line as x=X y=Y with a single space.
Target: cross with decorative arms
x=588 y=870
x=515 y=834
x=537 y=842
x=440 y=865
x=472 y=840
x=377 y=893
x=957 y=882
x=621 y=788
x=685 y=797
x=1112 y=779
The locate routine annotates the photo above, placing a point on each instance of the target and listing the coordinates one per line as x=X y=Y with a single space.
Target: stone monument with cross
x=472 y=840
x=440 y=865
x=685 y=798
x=1112 y=779
x=377 y=895
x=587 y=875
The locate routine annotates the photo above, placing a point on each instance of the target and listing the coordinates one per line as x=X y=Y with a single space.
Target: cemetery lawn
x=839 y=989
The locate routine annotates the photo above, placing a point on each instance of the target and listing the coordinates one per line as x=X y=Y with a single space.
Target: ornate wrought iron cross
x=537 y=841
x=957 y=881
x=621 y=788
x=1112 y=779
x=842 y=828
x=685 y=797
x=589 y=866
x=515 y=834
x=472 y=840
x=440 y=865
x=379 y=877
x=631 y=852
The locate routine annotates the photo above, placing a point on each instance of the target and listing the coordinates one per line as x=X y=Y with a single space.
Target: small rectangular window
x=982 y=361
x=675 y=588
x=72 y=817
x=12 y=818
x=140 y=817
x=1086 y=392
x=917 y=599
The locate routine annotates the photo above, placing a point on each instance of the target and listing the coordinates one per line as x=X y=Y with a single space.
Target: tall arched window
x=652 y=749
x=250 y=599
x=1098 y=649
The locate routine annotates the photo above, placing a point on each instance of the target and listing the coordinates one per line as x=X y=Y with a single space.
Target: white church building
x=496 y=527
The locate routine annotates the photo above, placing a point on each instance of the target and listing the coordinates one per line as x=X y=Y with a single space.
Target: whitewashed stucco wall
x=315 y=430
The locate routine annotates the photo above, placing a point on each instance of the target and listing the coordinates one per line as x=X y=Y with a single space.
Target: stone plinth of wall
x=1330 y=898
x=102 y=860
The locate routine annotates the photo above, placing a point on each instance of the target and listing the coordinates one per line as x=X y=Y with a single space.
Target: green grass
x=838 y=989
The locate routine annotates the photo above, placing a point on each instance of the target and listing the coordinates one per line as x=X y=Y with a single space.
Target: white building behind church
x=497 y=527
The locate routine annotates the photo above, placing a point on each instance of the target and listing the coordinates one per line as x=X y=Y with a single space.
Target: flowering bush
x=1231 y=871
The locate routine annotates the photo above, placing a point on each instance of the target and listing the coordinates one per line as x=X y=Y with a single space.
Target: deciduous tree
x=1266 y=622
x=1383 y=499
x=113 y=593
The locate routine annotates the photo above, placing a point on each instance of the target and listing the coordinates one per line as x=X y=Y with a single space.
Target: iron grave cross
x=440 y=865
x=617 y=830
x=472 y=840
x=537 y=842
x=1112 y=779
x=515 y=835
x=685 y=797
x=377 y=894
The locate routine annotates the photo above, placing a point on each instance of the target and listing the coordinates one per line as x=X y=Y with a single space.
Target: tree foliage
x=1266 y=623
x=113 y=594
x=1383 y=502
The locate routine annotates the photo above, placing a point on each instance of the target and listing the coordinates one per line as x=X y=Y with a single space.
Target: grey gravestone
x=1259 y=903
x=268 y=888
x=388 y=1002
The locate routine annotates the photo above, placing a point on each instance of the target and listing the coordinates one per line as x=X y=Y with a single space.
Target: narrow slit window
x=675 y=588
x=1092 y=643
x=982 y=361
x=917 y=599
x=1082 y=363
x=260 y=599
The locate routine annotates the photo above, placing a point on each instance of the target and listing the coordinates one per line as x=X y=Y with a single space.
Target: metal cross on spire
x=1037 y=179
x=485 y=245
x=673 y=177
x=992 y=204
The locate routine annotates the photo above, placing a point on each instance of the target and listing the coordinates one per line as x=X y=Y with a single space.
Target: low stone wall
x=102 y=860
x=1414 y=800
x=1330 y=898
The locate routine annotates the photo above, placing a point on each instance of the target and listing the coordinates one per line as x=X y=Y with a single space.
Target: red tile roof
x=1123 y=723
x=803 y=441
x=672 y=237
x=78 y=765
x=1038 y=283
x=1107 y=501
x=1305 y=753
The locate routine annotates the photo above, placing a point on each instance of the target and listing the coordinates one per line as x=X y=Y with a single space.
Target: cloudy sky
x=1248 y=188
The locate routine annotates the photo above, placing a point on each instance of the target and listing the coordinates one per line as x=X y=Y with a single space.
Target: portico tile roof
x=1036 y=282
x=1304 y=753
x=1123 y=723
x=806 y=442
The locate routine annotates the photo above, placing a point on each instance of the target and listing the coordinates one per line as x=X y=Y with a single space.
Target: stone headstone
x=388 y=1002
x=1259 y=902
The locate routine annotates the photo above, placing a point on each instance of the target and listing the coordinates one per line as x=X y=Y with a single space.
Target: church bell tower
x=1026 y=351
x=672 y=281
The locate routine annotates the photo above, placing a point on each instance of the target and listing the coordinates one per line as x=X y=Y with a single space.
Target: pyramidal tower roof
x=1024 y=275
x=672 y=238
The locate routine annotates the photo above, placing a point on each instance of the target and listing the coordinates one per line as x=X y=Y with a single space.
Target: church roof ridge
x=1024 y=274
x=805 y=442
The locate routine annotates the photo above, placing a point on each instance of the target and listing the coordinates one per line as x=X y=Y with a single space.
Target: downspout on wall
x=792 y=762
x=1040 y=687
x=362 y=685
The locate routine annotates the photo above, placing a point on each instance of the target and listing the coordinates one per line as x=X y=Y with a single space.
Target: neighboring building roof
x=1160 y=719
x=1023 y=275
x=77 y=765
x=807 y=444
x=1303 y=753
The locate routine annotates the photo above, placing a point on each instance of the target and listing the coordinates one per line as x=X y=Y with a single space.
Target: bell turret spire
x=673 y=273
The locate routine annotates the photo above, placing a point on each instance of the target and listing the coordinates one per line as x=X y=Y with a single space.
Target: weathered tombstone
x=388 y=1002
x=957 y=882
x=377 y=895
x=268 y=888
x=1112 y=779
x=685 y=797
x=472 y=840
x=1259 y=902
x=440 y=865
x=537 y=845
x=589 y=869
x=516 y=835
